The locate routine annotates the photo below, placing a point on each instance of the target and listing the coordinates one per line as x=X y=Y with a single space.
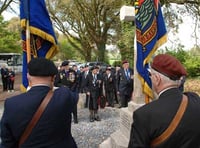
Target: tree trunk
x=101 y=51
x=88 y=55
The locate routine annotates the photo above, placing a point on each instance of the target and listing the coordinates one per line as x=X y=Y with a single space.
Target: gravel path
x=91 y=134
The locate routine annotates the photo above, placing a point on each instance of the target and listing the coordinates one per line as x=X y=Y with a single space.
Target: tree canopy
x=90 y=25
x=9 y=36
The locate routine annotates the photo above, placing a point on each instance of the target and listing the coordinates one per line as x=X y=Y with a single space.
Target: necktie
x=94 y=79
x=127 y=75
x=67 y=74
x=85 y=74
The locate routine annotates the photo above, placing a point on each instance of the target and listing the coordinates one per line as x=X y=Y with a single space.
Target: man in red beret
x=124 y=83
x=172 y=120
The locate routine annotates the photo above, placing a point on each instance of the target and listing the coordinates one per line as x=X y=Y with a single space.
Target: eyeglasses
x=149 y=72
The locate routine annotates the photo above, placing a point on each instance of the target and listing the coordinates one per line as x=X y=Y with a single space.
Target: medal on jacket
x=71 y=76
x=121 y=78
x=61 y=76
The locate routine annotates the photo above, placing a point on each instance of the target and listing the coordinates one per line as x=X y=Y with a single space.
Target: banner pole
x=28 y=49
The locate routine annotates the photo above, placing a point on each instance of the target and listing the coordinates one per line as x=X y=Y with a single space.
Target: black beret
x=108 y=68
x=65 y=63
x=169 y=66
x=117 y=65
x=94 y=67
x=42 y=67
x=86 y=66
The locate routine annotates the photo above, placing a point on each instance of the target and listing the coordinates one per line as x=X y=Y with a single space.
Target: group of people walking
x=8 y=78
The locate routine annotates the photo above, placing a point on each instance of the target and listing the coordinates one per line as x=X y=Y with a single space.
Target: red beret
x=125 y=61
x=168 y=66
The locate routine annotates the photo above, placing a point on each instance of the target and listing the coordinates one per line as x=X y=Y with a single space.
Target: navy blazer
x=151 y=120
x=124 y=85
x=53 y=129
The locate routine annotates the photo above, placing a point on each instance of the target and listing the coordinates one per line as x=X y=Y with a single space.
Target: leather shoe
x=97 y=118
x=91 y=119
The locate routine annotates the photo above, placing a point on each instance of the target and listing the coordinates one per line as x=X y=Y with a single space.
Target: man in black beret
x=93 y=86
x=65 y=63
x=52 y=128
x=41 y=67
x=172 y=120
x=109 y=85
x=67 y=77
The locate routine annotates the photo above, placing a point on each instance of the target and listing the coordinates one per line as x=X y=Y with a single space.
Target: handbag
x=102 y=101
x=35 y=118
x=12 y=78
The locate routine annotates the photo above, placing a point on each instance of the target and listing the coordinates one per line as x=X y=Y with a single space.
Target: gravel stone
x=90 y=134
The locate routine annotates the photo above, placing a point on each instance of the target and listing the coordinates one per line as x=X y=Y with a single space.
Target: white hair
x=167 y=79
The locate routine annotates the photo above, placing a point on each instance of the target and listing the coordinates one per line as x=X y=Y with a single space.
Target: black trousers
x=5 y=84
x=86 y=101
x=74 y=112
x=110 y=97
x=10 y=85
x=124 y=98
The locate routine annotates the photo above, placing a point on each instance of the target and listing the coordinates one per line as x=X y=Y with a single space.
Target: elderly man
x=124 y=83
x=171 y=121
x=109 y=85
x=53 y=129
x=93 y=82
x=4 y=77
x=67 y=77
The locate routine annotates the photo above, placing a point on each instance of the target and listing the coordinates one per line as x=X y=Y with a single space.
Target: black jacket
x=109 y=83
x=152 y=119
x=67 y=79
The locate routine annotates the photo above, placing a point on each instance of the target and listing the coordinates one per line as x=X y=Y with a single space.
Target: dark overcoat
x=93 y=86
x=53 y=129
